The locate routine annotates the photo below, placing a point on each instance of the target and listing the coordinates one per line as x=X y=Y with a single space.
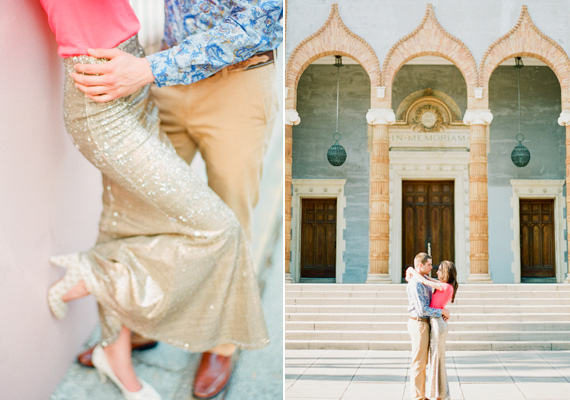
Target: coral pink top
x=440 y=298
x=90 y=24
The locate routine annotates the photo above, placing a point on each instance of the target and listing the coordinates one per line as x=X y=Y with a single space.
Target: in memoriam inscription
x=436 y=139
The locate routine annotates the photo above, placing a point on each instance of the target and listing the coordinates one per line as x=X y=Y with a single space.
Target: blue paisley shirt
x=419 y=298
x=203 y=36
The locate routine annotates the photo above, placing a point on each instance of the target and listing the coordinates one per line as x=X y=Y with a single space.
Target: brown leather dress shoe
x=85 y=357
x=213 y=375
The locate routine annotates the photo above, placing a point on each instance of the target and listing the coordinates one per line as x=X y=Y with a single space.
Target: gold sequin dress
x=171 y=262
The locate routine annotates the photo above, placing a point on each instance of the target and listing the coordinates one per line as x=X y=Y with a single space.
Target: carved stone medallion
x=427 y=118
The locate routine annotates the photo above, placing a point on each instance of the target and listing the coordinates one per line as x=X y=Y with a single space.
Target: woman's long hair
x=449 y=275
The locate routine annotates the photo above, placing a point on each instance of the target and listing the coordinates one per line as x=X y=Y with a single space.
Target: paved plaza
x=383 y=375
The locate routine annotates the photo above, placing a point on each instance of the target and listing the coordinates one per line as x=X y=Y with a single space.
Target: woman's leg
x=118 y=355
x=438 y=385
x=77 y=291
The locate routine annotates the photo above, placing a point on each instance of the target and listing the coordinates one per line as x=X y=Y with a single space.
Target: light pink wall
x=49 y=204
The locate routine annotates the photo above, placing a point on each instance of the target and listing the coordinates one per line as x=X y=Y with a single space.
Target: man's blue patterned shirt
x=419 y=298
x=203 y=36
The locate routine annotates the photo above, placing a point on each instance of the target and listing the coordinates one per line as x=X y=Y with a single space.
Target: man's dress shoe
x=213 y=375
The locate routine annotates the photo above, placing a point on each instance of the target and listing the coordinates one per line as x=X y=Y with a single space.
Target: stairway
x=483 y=317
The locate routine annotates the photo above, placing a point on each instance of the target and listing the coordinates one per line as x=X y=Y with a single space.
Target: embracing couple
x=427 y=325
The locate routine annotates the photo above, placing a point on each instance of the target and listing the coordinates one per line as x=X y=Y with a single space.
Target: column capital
x=380 y=116
x=477 y=117
x=292 y=117
x=564 y=119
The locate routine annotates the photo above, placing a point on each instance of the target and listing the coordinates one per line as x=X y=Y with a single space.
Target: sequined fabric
x=438 y=387
x=171 y=262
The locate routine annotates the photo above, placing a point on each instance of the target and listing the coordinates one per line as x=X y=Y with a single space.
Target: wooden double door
x=427 y=221
x=318 y=238
x=537 y=238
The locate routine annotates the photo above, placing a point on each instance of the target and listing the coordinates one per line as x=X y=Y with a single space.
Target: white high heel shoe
x=104 y=369
x=55 y=293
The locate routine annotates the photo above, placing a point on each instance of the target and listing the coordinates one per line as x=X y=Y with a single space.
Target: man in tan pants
x=419 y=298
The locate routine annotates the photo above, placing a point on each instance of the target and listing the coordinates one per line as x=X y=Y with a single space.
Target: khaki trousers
x=419 y=332
x=228 y=117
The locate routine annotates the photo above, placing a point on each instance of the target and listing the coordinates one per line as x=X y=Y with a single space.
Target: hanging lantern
x=336 y=153
x=520 y=156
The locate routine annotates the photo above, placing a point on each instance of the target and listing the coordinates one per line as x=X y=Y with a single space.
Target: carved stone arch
x=429 y=38
x=525 y=39
x=405 y=105
x=333 y=38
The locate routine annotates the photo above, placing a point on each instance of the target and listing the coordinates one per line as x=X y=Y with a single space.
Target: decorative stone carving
x=292 y=117
x=564 y=118
x=380 y=116
x=427 y=118
x=478 y=117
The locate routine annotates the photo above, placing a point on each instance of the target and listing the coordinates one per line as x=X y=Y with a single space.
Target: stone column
x=291 y=118
x=564 y=120
x=380 y=120
x=478 y=120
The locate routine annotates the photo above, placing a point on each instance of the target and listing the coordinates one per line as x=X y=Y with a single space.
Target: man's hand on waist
x=122 y=75
x=445 y=314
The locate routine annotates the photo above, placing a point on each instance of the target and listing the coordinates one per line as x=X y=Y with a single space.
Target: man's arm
x=249 y=28
x=425 y=280
x=421 y=303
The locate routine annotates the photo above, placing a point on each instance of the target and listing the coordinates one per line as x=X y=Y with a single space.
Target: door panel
x=318 y=238
x=537 y=238
x=427 y=217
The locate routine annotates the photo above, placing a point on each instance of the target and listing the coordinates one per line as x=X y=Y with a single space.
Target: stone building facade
x=428 y=117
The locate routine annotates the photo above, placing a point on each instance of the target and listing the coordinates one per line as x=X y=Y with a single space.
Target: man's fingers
x=90 y=80
x=91 y=69
x=103 y=98
x=104 y=53
x=92 y=90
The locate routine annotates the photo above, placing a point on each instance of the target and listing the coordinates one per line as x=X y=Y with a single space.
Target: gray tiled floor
x=368 y=374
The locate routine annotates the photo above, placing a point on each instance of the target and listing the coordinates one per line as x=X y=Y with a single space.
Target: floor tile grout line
x=517 y=386
x=351 y=379
x=457 y=376
x=556 y=369
x=408 y=356
x=305 y=370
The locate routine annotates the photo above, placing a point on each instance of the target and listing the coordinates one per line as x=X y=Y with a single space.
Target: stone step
x=404 y=301
x=451 y=345
x=483 y=336
x=395 y=309
x=403 y=317
x=536 y=326
x=361 y=294
x=512 y=287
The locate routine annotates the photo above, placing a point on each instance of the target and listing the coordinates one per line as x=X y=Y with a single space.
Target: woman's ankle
x=226 y=349
x=123 y=368
x=76 y=292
